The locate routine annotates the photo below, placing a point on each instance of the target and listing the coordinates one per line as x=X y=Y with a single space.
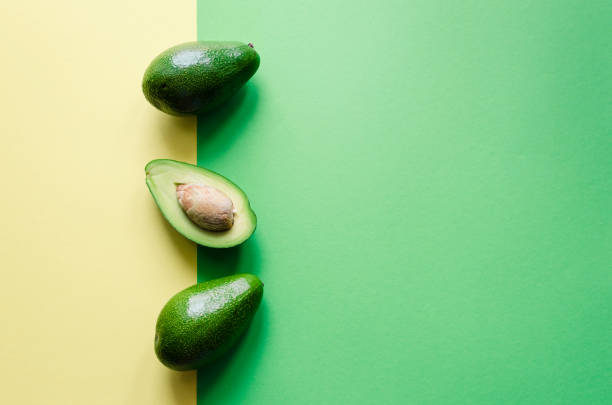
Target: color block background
x=86 y=259
x=433 y=186
x=432 y=181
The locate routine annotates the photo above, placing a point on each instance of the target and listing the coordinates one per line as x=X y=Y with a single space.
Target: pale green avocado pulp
x=163 y=175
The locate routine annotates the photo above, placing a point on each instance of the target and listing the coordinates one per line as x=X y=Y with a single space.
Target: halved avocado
x=163 y=177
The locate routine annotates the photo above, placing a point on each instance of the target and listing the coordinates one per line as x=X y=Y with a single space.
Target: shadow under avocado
x=247 y=351
x=183 y=246
x=181 y=383
x=175 y=133
x=171 y=125
x=230 y=119
x=217 y=131
x=215 y=263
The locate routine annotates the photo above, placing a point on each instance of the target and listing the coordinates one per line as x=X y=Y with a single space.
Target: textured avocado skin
x=202 y=322
x=196 y=77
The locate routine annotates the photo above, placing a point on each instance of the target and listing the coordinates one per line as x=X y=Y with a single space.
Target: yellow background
x=86 y=264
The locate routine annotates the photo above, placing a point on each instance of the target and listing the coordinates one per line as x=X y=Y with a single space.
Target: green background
x=433 y=186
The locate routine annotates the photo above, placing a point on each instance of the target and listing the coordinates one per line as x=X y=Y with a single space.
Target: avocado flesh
x=196 y=77
x=204 y=321
x=162 y=177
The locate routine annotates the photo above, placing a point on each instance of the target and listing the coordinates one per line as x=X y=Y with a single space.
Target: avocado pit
x=207 y=207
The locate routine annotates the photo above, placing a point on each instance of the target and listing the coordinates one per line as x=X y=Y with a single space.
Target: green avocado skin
x=196 y=77
x=202 y=322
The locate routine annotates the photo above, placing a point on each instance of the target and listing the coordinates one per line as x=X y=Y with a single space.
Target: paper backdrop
x=432 y=182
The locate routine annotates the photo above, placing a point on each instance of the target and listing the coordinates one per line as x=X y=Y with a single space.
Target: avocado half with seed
x=201 y=218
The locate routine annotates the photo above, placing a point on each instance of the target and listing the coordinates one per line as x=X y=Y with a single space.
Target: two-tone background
x=433 y=182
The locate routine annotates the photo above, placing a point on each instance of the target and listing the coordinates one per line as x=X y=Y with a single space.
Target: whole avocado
x=202 y=322
x=196 y=77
